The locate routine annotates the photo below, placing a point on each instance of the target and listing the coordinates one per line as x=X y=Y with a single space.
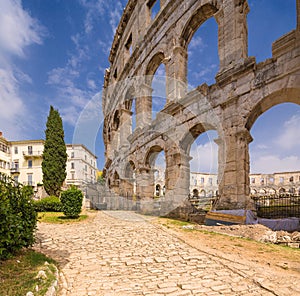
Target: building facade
x=81 y=165
x=22 y=161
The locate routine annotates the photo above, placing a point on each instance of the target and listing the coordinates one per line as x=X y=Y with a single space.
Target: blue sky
x=54 y=52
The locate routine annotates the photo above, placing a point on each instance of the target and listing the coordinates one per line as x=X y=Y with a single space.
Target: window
x=210 y=181
x=116 y=74
x=253 y=180
x=154 y=6
x=30 y=150
x=128 y=45
x=15 y=165
x=29 y=179
x=262 y=181
x=202 y=180
x=85 y=168
x=85 y=158
x=292 y=179
x=271 y=180
x=29 y=163
x=72 y=154
x=16 y=179
x=72 y=176
x=195 y=182
x=281 y=179
x=16 y=150
x=72 y=165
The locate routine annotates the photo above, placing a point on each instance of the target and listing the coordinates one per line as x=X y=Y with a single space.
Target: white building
x=22 y=160
x=81 y=165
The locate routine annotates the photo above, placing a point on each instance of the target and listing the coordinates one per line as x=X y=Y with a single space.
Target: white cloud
x=70 y=98
x=91 y=84
x=205 y=157
x=273 y=163
x=17 y=28
x=196 y=46
x=97 y=8
x=115 y=16
x=289 y=138
x=17 y=31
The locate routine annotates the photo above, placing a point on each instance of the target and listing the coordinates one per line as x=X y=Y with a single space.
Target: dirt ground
x=238 y=243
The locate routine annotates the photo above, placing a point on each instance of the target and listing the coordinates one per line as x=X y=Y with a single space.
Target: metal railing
x=275 y=207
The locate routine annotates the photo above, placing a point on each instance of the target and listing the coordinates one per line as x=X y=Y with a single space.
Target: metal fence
x=273 y=207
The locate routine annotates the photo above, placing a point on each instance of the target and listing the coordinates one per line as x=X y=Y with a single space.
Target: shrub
x=71 y=202
x=18 y=217
x=48 y=204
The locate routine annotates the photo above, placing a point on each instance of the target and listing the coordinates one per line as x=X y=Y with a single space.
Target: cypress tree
x=54 y=155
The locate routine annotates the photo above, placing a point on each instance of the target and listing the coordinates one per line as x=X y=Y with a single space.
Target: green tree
x=71 y=200
x=54 y=155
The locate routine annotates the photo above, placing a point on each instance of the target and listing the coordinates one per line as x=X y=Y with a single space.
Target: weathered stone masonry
x=242 y=92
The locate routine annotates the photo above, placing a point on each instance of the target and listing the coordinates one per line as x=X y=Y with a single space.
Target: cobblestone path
x=121 y=253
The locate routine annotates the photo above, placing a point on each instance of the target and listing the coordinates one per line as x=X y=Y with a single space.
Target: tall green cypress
x=54 y=155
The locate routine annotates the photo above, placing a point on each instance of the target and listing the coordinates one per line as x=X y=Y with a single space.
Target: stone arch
x=202 y=193
x=281 y=190
x=156 y=60
x=152 y=154
x=129 y=169
x=286 y=95
x=272 y=191
x=196 y=20
x=195 y=192
x=157 y=189
x=116 y=120
x=129 y=97
x=195 y=131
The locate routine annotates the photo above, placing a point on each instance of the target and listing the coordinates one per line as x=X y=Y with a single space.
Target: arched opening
x=203 y=59
x=195 y=193
x=157 y=190
x=158 y=90
x=129 y=182
x=130 y=105
x=157 y=162
x=200 y=145
x=156 y=82
x=153 y=7
x=116 y=120
x=282 y=191
x=276 y=141
x=267 y=21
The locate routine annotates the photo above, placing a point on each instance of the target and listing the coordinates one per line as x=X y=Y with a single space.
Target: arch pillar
x=144 y=106
x=125 y=127
x=177 y=176
x=233 y=33
x=234 y=186
x=144 y=182
x=176 y=72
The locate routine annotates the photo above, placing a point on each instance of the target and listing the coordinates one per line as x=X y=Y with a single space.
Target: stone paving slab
x=122 y=253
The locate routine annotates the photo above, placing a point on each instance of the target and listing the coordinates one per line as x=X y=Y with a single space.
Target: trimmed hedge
x=48 y=204
x=18 y=217
x=72 y=202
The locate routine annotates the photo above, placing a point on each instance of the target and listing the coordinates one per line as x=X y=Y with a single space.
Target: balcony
x=15 y=170
x=34 y=154
x=29 y=183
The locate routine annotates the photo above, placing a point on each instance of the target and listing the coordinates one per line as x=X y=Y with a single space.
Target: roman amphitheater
x=243 y=91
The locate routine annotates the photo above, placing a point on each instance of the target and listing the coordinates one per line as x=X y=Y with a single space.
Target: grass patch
x=174 y=222
x=18 y=275
x=58 y=217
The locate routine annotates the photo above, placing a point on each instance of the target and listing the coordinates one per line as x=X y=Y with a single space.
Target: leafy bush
x=71 y=202
x=18 y=217
x=48 y=204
